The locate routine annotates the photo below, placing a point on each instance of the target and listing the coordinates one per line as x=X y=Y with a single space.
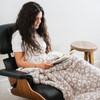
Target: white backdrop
x=67 y=21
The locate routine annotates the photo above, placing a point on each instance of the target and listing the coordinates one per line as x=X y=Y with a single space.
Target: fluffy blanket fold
x=76 y=78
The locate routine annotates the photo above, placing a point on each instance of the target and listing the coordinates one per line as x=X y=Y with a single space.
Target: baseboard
x=97 y=63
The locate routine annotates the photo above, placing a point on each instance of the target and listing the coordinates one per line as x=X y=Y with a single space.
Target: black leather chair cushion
x=10 y=63
x=5 y=35
x=48 y=92
x=15 y=74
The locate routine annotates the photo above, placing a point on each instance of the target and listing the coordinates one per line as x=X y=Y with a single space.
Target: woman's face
x=38 y=20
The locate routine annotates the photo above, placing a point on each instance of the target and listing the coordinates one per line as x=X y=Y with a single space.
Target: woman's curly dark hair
x=25 y=25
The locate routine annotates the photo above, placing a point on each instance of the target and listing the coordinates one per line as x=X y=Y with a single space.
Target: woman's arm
x=22 y=63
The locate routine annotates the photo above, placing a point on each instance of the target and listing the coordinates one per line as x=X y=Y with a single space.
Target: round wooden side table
x=87 y=47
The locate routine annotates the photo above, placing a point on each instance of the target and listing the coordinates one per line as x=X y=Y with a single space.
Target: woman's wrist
x=36 y=65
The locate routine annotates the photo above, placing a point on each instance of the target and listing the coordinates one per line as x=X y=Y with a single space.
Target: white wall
x=67 y=21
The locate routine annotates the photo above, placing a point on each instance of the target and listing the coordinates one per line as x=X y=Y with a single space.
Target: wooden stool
x=87 y=48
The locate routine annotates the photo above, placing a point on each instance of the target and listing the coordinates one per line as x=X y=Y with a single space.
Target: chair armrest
x=15 y=74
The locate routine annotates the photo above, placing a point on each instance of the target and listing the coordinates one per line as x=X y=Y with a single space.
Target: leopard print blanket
x=75 y=77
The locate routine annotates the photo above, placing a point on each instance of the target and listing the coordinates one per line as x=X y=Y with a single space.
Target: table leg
x=86 y=56
x=71 y=49
x=91 y=58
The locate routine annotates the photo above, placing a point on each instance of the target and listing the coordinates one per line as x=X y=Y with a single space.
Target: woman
x=76 y=78
x=29 y=32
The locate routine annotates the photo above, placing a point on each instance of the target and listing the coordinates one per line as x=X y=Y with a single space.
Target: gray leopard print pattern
x=75 y=77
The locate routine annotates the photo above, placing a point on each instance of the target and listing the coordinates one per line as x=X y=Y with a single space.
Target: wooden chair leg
x=91 y=58
x=86 y=56
x=23 y=89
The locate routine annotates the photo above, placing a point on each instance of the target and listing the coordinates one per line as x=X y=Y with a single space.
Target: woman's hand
x=44 y=65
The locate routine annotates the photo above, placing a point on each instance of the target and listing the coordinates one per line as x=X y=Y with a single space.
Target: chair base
x=23 y=89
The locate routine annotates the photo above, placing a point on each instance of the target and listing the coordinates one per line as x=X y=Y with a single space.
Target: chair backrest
x=5 y=35
x=5 y=45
